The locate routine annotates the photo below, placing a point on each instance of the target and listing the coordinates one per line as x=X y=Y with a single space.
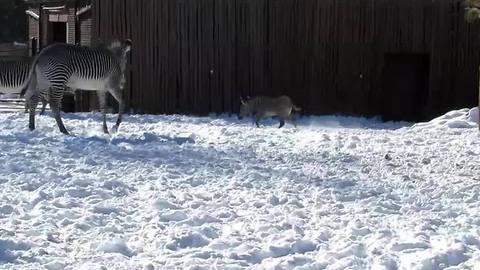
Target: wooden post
x=33 y=46
x=40 y=26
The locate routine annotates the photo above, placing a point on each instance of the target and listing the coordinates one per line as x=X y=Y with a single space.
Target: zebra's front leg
x=117 y=94
x=258 y=117
x=55 y=103
x=102 y=101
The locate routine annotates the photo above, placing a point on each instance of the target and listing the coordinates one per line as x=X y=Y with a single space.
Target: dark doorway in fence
x=405 y=86
x=57 y=32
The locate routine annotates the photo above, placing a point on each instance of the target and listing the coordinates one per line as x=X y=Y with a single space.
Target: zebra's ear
x=127 y=45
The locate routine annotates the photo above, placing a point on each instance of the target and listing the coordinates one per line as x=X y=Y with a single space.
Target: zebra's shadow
x=134 y=139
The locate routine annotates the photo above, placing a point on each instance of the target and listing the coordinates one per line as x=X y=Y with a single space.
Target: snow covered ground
x=177 y=192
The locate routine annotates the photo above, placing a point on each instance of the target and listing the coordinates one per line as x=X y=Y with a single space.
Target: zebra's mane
x=115 y=45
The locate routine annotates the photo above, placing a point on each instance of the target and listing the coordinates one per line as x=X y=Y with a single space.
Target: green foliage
x=472 y=10
x=472 y=14
x=472 y=3
x=13 y=21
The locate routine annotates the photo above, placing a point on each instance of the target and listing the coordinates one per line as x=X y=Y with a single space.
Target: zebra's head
x=120 y=50
x=127 y=45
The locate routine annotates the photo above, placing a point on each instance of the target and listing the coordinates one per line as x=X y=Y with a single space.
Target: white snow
x=116 y=246
x=178 y=192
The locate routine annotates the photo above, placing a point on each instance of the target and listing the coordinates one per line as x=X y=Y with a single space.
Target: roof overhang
x=83 y=10
x=57 y=2
x=32 y=14
x=54 y=8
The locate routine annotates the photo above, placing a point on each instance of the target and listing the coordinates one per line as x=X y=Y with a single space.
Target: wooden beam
x=32 y=14
x=83 y=10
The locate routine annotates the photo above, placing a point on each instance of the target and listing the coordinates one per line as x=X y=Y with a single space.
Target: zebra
x=13 y=76
x=262 y=107
x=100 y=69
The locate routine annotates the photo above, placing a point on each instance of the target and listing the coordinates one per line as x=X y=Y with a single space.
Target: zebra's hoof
x=114 y=129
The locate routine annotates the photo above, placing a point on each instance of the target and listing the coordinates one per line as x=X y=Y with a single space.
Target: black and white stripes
x=60 y=66
x=13 y=75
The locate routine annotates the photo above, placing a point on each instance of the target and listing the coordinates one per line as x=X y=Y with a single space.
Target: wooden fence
x=12 y=51
x=200 y=56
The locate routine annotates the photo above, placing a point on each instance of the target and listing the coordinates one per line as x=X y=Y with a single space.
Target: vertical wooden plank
x=314 y=51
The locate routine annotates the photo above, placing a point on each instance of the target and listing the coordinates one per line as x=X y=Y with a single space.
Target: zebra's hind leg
x=292 y=119
x=44 y=105
x=102 y=101
x=117 y=94
x=55 y=103
x=32 y=105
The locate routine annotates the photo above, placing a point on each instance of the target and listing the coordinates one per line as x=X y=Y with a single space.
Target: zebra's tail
x=30 y=76
x=295 y=108
x=24 y=89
